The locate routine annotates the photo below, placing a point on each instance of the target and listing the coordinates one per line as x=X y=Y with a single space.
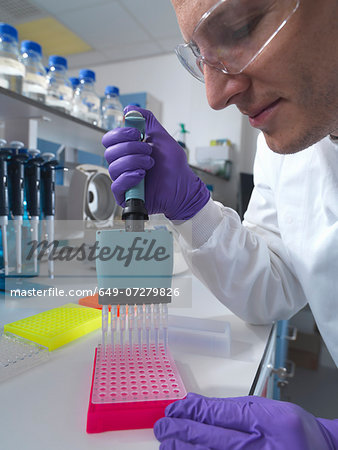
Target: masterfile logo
x=140 y=249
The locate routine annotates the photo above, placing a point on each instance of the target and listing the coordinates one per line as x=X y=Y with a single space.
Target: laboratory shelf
x=26 y=120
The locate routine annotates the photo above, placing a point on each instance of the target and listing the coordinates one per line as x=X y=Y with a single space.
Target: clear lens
x=233 y=33
x=189 y=61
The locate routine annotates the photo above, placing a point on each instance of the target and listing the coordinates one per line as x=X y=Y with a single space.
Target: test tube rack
x=58 y=326
x=131 y=387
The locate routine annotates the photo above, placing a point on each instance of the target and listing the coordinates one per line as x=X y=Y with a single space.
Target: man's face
x=290 y=91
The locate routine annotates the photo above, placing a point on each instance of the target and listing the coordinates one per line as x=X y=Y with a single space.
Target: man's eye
x=195 y=49
x=246 y=30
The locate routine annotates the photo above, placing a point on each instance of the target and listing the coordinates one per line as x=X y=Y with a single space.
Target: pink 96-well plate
x=131 y=390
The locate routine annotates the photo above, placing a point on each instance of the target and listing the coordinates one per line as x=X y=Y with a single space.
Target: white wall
x=183 y=100
x=247 y=146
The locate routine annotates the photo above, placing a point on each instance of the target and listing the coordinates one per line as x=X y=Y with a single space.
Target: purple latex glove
x=171 y=187
x=243 y=423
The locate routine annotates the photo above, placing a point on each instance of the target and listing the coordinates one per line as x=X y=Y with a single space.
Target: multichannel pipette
x=144 y=319
x=48 y=200
x=5 y=154
x=133 y=370
x=16 y=195
x=32 y=181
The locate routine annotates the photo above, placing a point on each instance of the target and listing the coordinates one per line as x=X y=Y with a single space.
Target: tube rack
x=131 y=387
x=57 y=326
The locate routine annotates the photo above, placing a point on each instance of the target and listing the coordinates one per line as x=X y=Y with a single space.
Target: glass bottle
x=86 y=102
x=59 y=90
x=12 y=70
x=112 y=110
x=35 y=83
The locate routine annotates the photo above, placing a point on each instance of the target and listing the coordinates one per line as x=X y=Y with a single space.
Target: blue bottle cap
x=31 y=45
x=5 y=28
x=86 y=73
x=56 y=60
x=74 y=81
x=112 y=90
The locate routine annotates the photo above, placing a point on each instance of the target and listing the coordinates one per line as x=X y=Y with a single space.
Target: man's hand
x=171 y=187
x=244 y=423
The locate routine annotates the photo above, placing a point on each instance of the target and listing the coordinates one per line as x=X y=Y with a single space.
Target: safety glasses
x=231 y=34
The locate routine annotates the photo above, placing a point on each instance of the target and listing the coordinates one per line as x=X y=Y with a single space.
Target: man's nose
x=222 y=88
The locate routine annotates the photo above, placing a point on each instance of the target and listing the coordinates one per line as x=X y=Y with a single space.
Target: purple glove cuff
x=330 y=431
x=196 y=203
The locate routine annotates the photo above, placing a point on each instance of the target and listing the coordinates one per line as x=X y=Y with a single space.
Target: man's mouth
x=260 y=116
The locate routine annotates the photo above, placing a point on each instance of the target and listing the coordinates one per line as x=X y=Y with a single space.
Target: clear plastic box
x=208 y=337
x=18 y=355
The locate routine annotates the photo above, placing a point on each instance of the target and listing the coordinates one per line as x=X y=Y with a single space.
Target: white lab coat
x=285 y=253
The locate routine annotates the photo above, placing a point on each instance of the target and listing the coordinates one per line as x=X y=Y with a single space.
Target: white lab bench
x=46 y=406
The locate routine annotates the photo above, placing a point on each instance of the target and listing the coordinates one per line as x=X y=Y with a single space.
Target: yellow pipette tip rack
x=58 y=326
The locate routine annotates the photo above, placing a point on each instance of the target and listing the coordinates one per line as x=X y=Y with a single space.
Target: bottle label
x=35 y=83
x=66 y=92
x=12 y=67
x=4 y=83
x=79 y=110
